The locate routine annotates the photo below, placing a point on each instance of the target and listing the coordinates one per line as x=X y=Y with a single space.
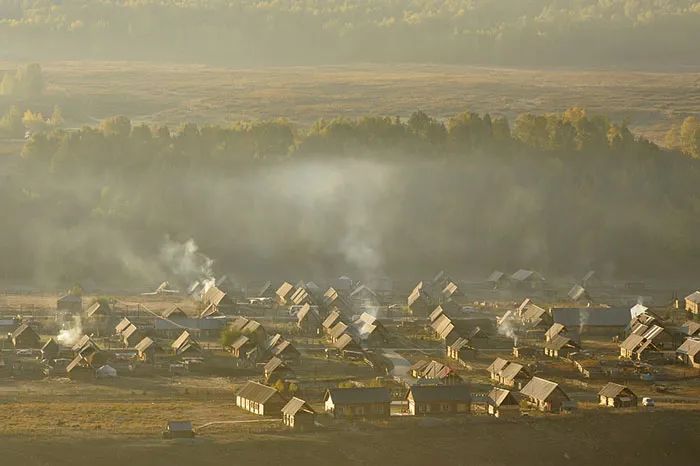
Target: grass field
x=90 y=91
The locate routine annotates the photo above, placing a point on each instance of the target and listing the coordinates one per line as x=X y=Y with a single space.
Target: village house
x=275 y=369
x=219 y=300
x=361 y=402
x=131 y=335
x=690 y=329
x=298 y=415
x=363 y=297
x=301 y=296
x=185 y=345
x=70 y=303
x=438 y=400
x=147 y=349
x=692 y=302
x=451 y=290
x=174 y=312
x=260 y=399
x=689 y=352
x=526 y=279
x=496 y=367
x=121 y=326
x=209 y=312
x=335 y=300
x=554 y=330
x=561 y=347
x=419 y=301
x=438 y=373
x=255 y=331
x=50 y=350
x=496 y=279
x=241 y=348
x=617 y=396
x=79 y=368
x=370 y=330
x=578 y=293
x=331 y=320
x=98 y=309
x=545 y=395
x=339 y=329
x=284 y=293
x=460 y=350
x=173 y=327
x=309 y=320
x=534 y=317
x=348 y=348
x=647 y=342
x=502 y=403
x=514 y=375
x=25 y=337
x=286 y=351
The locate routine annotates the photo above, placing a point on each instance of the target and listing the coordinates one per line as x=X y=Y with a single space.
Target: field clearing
x=172 y=94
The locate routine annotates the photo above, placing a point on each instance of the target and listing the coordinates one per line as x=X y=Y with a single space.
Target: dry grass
x=89 y=91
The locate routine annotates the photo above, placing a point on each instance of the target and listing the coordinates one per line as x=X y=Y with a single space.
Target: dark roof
x=257 y=392
x=24 y=328
x=295 y=405
x=612 y=390
x=180 y=426
x=428 y=393
x=592 y=316
x=189 y=323
x=50 y=345
x=691 y=328
x=358 y=395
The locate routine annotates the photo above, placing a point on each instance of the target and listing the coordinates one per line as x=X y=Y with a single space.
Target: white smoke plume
x=506 y=328
x=185 y=262
x=70 y=336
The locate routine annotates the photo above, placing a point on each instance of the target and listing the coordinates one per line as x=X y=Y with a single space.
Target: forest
x=560 y=193
x=650 y=33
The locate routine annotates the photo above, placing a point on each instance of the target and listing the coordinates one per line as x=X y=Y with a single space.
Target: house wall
x=359 y=410
x=437 y=408
x=692 y=307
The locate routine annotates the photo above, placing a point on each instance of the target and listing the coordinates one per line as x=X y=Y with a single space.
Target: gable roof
x=514 y=370
x=214 y=296
x=285 y=290
x=331 y=319
x=693 y=297
x=144 y=344
x=346 y=342
x=83 y=343
x=524 y=275
x=576 y=292
x=295 y=405
x=238 y=324
x=437 y=393
x=181 y=340
x=122 y=325
x=274 y=364
x=497 y=365
x=50 y=345
x=98 y=309
x=240 y=342
x=358 y=395
x=612 y=390
x=499 y=396
x=175 y=311
x=541 y=389
x=257 y=392
x=632 y=342
x=690 y=346
x=495 y=276
x=559 y=342
x=25 y=329
x=308 y=313
x=691 y=328
x=554 y=330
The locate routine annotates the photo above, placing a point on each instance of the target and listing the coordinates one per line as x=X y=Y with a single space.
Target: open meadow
x=88 y=91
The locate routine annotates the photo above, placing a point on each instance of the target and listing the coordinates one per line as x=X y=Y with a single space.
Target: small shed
x=178 y=429
x=617 y=396
x=298 y=415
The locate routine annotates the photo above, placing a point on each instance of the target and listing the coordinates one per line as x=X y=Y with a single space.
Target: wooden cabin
x=438 y=400
x=692 y=303
x=514 y=375
x=309 y=320
x=689 y=352
x=260 y=399
x=50 y=350
x=617 y=396
x=560 y=347
x=25 y=337
x=502 y=403
x=545 y=395
x=298 y=415
x=70 y=303
x=275 y=369
x=359 y=402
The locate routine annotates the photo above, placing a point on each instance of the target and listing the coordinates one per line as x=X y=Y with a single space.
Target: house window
x=422 y=408
x=445 y=407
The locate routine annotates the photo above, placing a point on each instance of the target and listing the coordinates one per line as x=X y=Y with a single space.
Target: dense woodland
x=517 y=32
x=376 y=195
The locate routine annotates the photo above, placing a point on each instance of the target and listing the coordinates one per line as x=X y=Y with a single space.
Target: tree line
x=589 y=32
